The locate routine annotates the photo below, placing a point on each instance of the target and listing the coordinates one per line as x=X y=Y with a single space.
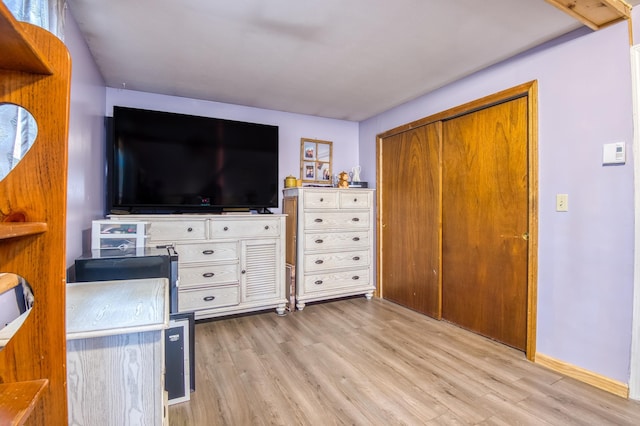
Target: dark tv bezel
x=110 y=176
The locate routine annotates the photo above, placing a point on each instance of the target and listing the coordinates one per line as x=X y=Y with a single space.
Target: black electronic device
x=164 y=162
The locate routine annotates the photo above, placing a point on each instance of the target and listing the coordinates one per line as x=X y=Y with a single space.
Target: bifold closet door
x=485 y=222
x=410 y=244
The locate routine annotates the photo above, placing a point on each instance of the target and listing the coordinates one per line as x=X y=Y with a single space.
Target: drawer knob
x=355 y=200
x=226 y=228
x=356 y=238
x=208 y=298
x=356 y=258
x=208 y=274
x=243 y=271
x=355 y=277
x=318 y=220
x=189 y=229
x=319 y=241
x=266 y=227
x=319 y=262
x=355 y=219
x=321 y=199
x=318 y=282
x=207 y=251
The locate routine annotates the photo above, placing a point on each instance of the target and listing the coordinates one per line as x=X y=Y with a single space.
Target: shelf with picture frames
x=316 y=161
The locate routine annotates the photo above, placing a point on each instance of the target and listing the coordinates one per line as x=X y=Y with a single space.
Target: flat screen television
x=163 y=162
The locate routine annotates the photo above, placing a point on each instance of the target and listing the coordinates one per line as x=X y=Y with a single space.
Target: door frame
x=530 y=91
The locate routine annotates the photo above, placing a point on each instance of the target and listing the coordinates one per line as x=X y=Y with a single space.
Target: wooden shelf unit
x=35 y=73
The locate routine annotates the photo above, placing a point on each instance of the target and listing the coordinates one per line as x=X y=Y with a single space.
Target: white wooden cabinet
x=227 y=264
x=334 y=237
x=115 y=352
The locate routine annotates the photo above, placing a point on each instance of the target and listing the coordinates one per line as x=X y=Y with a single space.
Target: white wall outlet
x=562 y=202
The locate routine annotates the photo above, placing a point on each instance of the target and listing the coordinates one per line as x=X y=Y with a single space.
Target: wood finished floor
x=362 y=362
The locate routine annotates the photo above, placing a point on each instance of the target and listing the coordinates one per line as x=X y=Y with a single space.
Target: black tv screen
x=162 y=162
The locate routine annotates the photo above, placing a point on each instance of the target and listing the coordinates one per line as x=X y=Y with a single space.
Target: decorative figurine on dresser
x=334 y=237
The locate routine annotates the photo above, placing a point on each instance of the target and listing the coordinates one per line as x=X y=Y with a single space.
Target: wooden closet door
x=409 y=184
x=485 y=211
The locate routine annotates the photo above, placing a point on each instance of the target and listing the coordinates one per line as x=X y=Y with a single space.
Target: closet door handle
x=208 y=298
x=207 y=252
x=208 y=274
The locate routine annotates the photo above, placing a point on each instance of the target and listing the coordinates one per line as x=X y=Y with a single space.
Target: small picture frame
x=315 y=161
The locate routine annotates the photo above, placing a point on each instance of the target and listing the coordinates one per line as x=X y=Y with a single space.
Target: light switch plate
x=562 y=202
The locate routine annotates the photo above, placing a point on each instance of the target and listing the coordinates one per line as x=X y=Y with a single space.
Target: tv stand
x=227 y=264
x=263 y=210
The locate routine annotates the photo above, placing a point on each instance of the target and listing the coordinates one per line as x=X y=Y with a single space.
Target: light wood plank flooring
x=362 y=362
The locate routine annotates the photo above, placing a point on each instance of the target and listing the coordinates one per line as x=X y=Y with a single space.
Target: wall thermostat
x=614 y=153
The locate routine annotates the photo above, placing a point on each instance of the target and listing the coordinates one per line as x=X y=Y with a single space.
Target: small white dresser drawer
x=191 y=276
x=207 y=252
x=323 y=261
x=336 y=240
x=258 y=228
x=174 y=230
x=355 y=200
x=337 y=219
x=321 y=282
x=320 y=200
x=207 y=298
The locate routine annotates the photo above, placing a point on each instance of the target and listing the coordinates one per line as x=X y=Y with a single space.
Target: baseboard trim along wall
x=585 y=376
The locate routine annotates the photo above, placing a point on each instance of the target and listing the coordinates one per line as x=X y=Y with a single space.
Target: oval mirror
x=16 y=301
x=18 y=131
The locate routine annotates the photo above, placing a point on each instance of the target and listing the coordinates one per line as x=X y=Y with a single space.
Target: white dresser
x=334 y=237
x=115 y=352
x=227 y=264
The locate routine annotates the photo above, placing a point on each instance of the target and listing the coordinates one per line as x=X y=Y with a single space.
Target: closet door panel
x=410 y=219
x=485 y=221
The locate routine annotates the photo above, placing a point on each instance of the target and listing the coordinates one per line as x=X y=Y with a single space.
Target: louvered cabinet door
x=261 y=270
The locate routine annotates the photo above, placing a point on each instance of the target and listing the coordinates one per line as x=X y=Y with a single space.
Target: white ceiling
x=345 y=59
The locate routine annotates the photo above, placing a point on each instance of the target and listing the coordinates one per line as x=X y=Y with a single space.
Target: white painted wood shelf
x=115 y=352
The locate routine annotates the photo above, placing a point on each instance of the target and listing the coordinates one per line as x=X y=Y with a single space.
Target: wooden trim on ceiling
x=595 y=14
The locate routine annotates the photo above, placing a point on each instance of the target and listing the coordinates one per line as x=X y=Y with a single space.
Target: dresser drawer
x=259 y=228
x=207 y=298
x=327 y=281
x=208 y=274
x=320 y=200
x=336 y=240
x=336 y=220
x=206 y=252
x=174 y=230
x=355 y=200
x=323 y=261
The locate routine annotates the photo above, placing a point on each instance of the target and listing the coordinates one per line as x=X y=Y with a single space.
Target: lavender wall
x=292 y=127
x=86 y=136
x=585 y=268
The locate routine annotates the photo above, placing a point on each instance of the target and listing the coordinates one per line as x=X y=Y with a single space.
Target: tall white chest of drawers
x=227 y=264
x=334 y=237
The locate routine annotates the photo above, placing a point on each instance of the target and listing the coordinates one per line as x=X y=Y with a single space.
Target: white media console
x=227 y=264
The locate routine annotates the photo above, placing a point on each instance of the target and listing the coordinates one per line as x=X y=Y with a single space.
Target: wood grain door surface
x=410 y=218
x=485 y=222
